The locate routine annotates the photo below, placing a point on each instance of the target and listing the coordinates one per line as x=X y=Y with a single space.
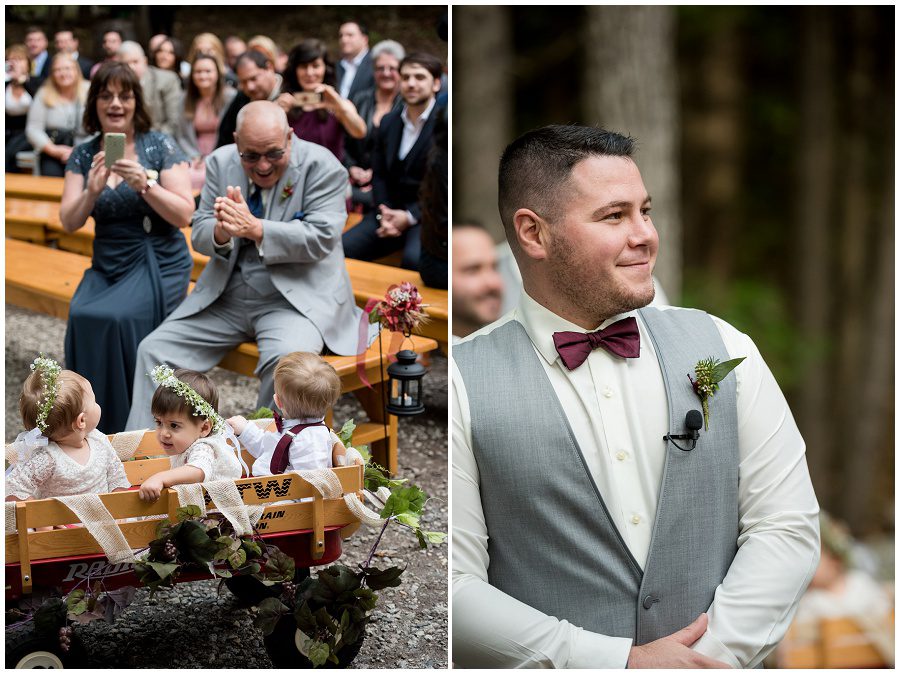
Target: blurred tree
x=483 y=96
x=630 y=86
x=815 y=175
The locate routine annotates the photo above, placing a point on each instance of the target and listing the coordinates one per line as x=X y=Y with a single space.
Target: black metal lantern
x=405 y=385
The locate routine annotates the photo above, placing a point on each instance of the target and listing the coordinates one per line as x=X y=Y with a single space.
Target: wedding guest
x=434 y=196
x=477 y=284
x=167 y=55
x=110 y=42
x=324 y=121
x=36 y=43
x=54 y=123
x=162 y=88
x=257 y=81
x=141 y=265
x=267 y=47
x=400 y=155
x=66 y=42
x=207 y=43
x=206 y=99
x=20 y=88
x=234 y=47
x=682 y=549
x=373 y=104
x=354 y=71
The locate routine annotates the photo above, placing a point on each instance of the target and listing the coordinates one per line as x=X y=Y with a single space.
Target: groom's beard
x=595 y=291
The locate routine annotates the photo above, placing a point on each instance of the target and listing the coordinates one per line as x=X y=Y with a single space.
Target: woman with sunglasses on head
x=141 y=265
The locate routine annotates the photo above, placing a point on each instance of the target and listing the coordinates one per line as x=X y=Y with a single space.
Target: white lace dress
x=213 y=456
x=52 y=472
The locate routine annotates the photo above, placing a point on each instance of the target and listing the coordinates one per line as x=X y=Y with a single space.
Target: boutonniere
x=708 y=374
x=287 y=191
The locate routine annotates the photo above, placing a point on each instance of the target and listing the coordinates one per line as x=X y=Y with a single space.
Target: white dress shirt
x=618 y=410
x=350 y=68
x=310 y=449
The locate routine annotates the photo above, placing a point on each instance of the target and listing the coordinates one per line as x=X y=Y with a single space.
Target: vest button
x=649 y=601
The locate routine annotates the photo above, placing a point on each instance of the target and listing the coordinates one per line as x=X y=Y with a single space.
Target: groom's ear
x=532 y=233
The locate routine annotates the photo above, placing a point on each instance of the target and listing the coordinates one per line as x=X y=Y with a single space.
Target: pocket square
x=299 y=215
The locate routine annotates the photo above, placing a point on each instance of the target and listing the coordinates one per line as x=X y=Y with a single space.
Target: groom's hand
x=674 y=651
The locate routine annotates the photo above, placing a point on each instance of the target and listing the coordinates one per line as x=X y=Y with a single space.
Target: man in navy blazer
x=399 y=160
x=354 y=71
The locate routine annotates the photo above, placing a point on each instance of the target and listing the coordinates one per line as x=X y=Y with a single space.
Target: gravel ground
x=195 y=626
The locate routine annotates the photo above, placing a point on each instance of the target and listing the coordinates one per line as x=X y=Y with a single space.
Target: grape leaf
x=318 y=653
x=187 y=512
x=346 y=433
x=268 y=613
x=378 y=579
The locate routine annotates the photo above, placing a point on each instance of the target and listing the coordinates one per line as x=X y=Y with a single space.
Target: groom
x=582 y=537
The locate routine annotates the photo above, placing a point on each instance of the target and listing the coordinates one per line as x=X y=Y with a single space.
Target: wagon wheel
x=251 y=591
x=28 y=649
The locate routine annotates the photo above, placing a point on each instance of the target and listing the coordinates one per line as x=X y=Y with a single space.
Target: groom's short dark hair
x=535 y=166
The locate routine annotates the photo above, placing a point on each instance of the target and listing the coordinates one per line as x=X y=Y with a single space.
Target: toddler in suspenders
x=306 y=387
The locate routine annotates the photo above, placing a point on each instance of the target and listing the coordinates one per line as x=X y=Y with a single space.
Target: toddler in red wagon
x=189 y=431
x=306 y=387
x=62 y=453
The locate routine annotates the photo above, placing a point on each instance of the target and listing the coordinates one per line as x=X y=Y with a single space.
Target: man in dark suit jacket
x=354 y=71
x=65 y=41
x=399 y=162
x=36 y=44
x=257 y=81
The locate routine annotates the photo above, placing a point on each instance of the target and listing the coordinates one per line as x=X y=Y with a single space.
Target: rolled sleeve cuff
x=597 y=651
x=711 y=647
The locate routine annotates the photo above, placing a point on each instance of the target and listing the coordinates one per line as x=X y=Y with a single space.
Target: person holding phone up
x=315 y=109
x=134 y=182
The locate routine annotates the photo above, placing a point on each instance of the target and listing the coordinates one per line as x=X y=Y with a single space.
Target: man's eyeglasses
x=107 y=97
x=386 y=69
x=253 y=157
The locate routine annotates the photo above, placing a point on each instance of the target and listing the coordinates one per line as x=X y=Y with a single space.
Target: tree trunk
x=855 y=294
x=816 y=174
x=630 y=87
x=482 y=111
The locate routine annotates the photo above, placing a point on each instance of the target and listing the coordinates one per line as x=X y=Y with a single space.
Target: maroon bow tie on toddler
x=620 y=338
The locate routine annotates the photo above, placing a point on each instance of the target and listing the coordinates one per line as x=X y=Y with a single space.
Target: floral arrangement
x=401 y=310
x=165 y=376
x=709 y=372
x=49 y=371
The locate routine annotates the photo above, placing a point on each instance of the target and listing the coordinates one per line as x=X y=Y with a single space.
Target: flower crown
x=165 y=376
x=49 y=371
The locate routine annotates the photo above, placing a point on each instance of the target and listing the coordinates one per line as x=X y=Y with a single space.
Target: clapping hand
x=394 y=221
x=233 y=217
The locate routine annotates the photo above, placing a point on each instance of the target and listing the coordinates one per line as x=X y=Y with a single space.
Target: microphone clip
x=693 y=421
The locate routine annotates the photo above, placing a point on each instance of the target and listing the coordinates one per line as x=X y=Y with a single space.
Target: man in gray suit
x=162 y=88
x=596 y=524
x=270 y=219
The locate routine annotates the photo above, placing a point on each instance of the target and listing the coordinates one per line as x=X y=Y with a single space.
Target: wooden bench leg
x=384 y=452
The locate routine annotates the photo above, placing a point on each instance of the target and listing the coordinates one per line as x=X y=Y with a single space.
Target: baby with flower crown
x=190 y=431
x=62 y=453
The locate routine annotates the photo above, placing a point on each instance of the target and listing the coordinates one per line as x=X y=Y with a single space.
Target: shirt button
x=148 y=224
x=636 y=519
x=608 y=392
x=621 y=456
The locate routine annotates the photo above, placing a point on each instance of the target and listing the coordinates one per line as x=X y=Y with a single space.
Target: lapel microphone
x=693 y=421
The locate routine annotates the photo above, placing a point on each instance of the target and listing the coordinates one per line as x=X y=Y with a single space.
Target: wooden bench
x=36 y=188
x=833 y=643
x=38 y=221
x=50 y=293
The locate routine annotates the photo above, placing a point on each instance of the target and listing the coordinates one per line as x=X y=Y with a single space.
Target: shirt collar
x=540 y=323
x=356 y=60
x=422 y=118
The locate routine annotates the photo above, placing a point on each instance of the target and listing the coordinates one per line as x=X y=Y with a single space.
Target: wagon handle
x=24 y=554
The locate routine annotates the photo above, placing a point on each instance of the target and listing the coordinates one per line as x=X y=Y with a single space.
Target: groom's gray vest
x=552 y=542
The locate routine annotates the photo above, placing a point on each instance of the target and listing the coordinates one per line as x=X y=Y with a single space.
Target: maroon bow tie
x=621 y=338
x=279 y=422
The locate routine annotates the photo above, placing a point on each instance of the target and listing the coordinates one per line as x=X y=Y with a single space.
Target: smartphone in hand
x=303 y=98
x=114 y=147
